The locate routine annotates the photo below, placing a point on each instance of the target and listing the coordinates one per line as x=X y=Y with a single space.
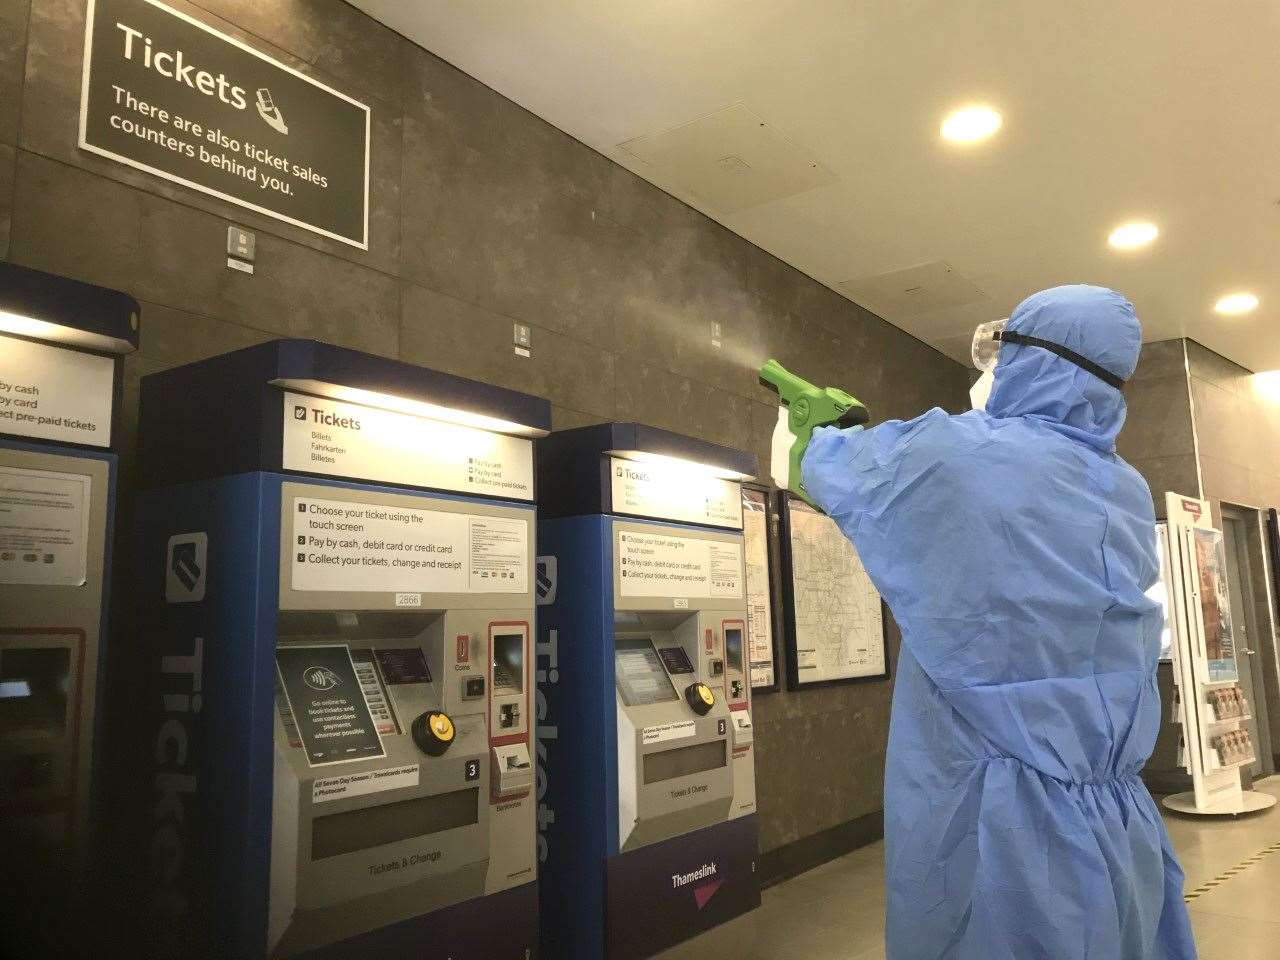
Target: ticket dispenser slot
x=511 y=765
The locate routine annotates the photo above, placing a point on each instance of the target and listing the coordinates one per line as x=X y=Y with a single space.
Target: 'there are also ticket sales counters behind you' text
x=342 y=659
x=645 y=740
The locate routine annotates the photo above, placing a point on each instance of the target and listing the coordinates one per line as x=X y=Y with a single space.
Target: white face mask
x=980 y=392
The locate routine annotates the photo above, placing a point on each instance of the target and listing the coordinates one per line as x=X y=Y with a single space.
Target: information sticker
x=676 y=730
x=44 y=527
x=328 y=704
x=369 y=781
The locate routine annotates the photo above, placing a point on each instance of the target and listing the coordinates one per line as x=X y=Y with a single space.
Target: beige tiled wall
x=481 y=214
x=1157 y=438
x=1238 y=430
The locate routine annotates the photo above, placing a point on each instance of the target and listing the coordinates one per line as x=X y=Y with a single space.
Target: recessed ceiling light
x=970 y=124
x=1130 y=236
x=1234 y=304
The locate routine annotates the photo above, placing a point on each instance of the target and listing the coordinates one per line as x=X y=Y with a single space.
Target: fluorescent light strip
x=416 y=408
x=22 y=326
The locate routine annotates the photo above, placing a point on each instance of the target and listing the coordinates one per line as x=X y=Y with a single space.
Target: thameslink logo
x=679 y=880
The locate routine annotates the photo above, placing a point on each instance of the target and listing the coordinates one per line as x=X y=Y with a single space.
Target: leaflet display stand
x=1211 y=705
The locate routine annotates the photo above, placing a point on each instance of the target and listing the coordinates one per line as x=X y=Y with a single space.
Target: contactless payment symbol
x=185 y=566
x=320 y=678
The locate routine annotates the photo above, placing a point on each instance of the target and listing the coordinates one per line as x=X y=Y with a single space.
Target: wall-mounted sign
x=54 y=393
x=167 y=94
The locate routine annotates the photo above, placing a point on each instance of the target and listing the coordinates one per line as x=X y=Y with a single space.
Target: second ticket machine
x=337 y=593
x=645 y=746
x=62 y=344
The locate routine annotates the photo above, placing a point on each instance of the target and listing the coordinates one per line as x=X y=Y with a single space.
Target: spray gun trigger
x=853 y=417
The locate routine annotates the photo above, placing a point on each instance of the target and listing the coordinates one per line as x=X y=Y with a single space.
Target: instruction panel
x=656 y=565
x=839 y=621
x=328 y=704
x=44 y=527
x=54 y=393
x=341 y=439
x=372 y=547
x=675 y=491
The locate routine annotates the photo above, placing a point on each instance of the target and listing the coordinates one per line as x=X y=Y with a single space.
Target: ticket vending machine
x=335 y=568
x=61 y=356
x=646 y=782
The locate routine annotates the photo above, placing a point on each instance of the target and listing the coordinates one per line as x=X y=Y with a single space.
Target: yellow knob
x=700 y=698
x=443 y=727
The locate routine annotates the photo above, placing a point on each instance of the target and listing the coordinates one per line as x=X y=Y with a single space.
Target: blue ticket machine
x=645 y=740
x=61 y=356
x=335 y=575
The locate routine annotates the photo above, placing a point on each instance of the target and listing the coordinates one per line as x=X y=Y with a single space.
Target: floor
x=836 y=912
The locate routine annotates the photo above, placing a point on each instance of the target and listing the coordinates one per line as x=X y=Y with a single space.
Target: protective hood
x=1096 y=323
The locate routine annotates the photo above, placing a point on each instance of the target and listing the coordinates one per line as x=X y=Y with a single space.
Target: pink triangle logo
x=704 y=893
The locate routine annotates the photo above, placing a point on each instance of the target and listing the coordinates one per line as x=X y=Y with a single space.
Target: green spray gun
x=804 y=408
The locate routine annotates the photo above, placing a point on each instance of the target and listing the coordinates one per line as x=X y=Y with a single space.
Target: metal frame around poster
x=785 y=501
x=765 y=498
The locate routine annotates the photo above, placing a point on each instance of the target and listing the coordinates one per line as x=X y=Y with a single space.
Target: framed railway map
x=834 y=616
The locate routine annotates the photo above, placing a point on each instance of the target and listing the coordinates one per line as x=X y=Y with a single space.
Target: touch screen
x=641 y=678
x=733 y=647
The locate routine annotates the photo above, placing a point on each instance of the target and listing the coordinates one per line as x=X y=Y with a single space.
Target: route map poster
x=834 y=614
x=761 y=648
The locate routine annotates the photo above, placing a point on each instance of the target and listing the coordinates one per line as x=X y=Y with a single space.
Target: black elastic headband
x=1084 y=363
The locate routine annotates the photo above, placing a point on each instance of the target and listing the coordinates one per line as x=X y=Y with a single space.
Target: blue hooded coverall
x=1015 y=548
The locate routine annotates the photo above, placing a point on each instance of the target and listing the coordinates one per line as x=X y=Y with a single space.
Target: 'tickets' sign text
x=169 y=95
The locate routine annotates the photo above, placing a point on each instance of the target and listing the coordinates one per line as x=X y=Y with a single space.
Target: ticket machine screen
x=733 y=647
x=33 y=688
x=642 y=679
x=508 y=663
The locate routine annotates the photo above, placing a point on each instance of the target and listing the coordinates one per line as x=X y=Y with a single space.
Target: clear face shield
x=985 y=352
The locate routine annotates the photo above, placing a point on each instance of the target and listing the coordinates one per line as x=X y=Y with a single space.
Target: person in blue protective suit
x=1015 y=549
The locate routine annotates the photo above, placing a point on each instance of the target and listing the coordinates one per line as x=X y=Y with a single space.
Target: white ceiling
x=1112 y=111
